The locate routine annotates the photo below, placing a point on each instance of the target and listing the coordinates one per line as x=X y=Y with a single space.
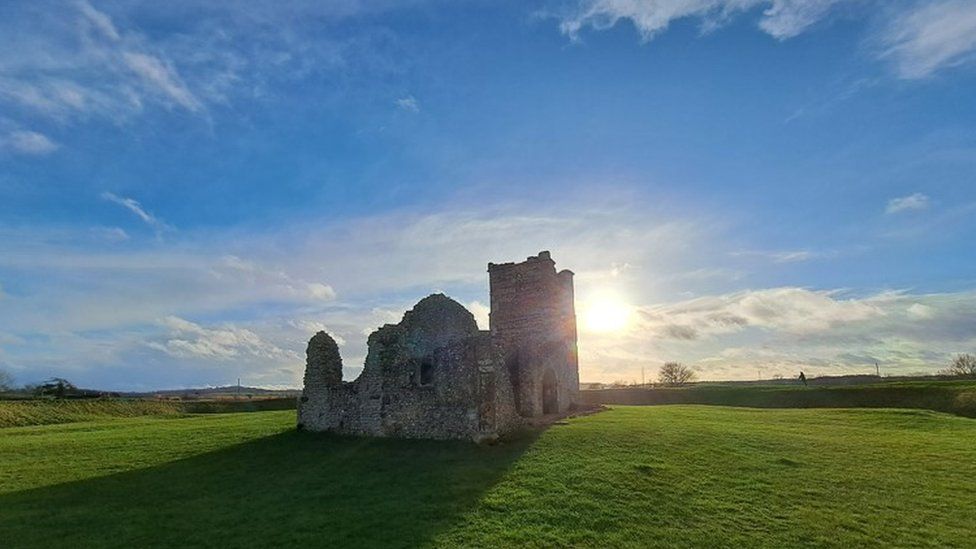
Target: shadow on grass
x=287 y=489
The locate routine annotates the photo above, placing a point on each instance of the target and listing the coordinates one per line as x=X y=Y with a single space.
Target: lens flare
x=605 y=315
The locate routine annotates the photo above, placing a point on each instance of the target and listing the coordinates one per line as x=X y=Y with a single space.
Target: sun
x=607 y=314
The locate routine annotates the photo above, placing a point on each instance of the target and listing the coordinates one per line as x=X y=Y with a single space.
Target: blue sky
x=189 y=190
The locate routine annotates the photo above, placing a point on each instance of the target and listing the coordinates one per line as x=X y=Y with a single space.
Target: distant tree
x=56 y=386
x=6 y=381
x=961 y=365
x=675 y=373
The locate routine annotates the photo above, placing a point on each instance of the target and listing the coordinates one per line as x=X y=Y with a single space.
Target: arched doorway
x=550 y=395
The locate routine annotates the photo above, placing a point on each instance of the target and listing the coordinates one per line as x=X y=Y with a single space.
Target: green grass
x=661 y=476
x=954 y=397
x=20 y=413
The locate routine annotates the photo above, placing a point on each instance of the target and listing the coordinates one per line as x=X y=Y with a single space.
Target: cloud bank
x=211 y=307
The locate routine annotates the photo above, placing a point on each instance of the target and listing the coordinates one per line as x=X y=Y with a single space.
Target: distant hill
x=215 y=392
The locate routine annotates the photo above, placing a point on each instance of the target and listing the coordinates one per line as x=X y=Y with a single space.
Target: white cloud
x=28 y=142
x=789 y=310
x=919 y=37
x=79 y=61
x=780 y=18
x=190 y=340
x=308 y=328
x=135 y=207
x=930 y=36
x=913 y=202
x=99 y=20
x=76 y=62
x=784 y=330
x=408 y=103
x=380 y=266
x=162 y=77
x=920 y=311
x=480 y=312
x=787 y=18
x=273 y=285
x=317 y=290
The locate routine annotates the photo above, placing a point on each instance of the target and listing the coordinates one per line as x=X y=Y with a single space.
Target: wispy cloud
x=110 y=296
x=913 y=202
x=191 y=340
x=278 y=290
x=931 y=36
x=135 y=207
x=110 y=234
x=408 y=103
x=99 y=20
x=789 y=310
x=783 y=256
x=28 y=142
x=919 y=37
x=161 y=76
x=781 y=18
x=79 y=61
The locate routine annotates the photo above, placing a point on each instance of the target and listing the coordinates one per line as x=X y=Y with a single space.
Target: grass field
x=954 y=397
x=20 y=413
x=631 y=476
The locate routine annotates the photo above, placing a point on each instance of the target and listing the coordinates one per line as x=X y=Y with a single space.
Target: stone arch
x=514 y=367
x=550 y=392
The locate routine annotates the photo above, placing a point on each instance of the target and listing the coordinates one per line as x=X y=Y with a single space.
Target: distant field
x=701 y=476
x=21 y=413
x=954 y=397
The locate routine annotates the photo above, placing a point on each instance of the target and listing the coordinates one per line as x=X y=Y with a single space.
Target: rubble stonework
x=533 y=320
x=436 y=375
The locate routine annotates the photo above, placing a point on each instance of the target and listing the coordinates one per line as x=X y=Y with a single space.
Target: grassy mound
x=954 y=397
x=20 y=413
x=685 y=476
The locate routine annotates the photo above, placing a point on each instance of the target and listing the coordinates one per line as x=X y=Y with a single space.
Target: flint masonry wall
x=533 y=320
x=433 y=375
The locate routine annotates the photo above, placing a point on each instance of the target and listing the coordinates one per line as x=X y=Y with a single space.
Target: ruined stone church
x=436 y=375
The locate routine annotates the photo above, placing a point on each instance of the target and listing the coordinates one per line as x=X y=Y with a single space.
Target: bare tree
x=675 y=373
x=57 y=387
x=961 y=365
x=6 y=381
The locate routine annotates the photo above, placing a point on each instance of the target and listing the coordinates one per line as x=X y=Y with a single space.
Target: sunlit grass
x=633 y=476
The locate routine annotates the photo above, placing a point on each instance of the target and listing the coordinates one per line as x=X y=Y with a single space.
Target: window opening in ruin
x=426 y=373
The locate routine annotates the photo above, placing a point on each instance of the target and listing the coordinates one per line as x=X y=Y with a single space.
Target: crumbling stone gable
x=432 y=375
x=323 y=363
x=436 y=375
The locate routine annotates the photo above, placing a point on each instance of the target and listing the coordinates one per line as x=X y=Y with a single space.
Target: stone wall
x=533 y=320
x=433 y=375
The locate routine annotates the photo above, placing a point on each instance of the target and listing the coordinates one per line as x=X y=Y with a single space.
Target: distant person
x=803 y=378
